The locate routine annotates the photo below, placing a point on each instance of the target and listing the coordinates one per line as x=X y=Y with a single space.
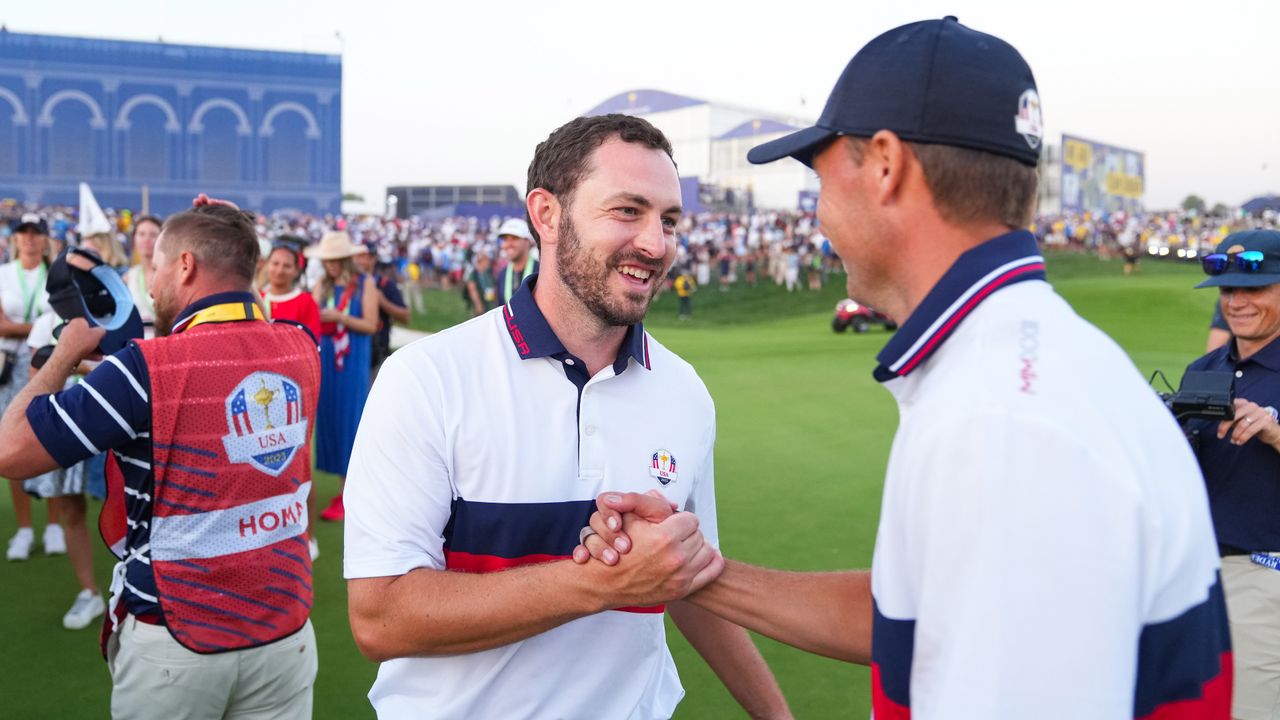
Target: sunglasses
x=1249 y=261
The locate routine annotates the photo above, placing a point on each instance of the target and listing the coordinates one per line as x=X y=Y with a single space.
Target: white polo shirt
x=1045 y=548
x=483 y=447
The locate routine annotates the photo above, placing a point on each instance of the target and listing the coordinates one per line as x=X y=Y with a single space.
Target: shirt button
x=568 y=361
x=1239 y=373
x=590 y=429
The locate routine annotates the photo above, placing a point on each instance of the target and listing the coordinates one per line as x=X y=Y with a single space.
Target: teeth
x=635 y=272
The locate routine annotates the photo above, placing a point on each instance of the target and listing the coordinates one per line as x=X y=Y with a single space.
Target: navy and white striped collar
x=1002 y=261
x=533 y=337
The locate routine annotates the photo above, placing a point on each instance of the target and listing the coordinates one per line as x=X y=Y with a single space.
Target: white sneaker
x=55 y=542
x=315 y=549
x=20 y=544
x=88 y=605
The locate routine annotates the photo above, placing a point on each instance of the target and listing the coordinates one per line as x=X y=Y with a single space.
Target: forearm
x=16 y=330
x=398 y=314
x=436 y=612
x=734 y=658
x=824 y=613
x=364 y=326
x=474 y=294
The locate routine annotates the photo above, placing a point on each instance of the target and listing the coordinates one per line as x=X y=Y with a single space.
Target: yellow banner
x=1127 y=186
x=1077 y=154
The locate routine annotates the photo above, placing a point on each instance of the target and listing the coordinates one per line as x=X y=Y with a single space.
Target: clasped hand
x=658 y=554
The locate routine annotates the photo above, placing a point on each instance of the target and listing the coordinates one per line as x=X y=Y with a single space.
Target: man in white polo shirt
x=481 y=450
x=1032 y=559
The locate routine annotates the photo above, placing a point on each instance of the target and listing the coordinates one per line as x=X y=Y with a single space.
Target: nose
x=652 y=239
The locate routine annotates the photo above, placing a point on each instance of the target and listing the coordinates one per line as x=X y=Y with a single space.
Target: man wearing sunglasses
x=1240 y=459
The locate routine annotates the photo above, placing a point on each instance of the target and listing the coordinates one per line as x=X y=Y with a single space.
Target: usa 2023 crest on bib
x=265 y=423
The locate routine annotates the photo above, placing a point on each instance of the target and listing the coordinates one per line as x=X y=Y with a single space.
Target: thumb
x=649 y=507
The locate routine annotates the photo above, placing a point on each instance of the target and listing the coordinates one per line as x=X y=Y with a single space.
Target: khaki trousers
x=155 y=678
x=1253 y=607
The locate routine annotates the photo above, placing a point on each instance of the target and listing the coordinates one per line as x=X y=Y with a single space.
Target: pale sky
x=461 y=92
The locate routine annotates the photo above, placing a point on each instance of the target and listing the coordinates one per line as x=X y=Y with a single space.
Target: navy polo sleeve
x=109 y=407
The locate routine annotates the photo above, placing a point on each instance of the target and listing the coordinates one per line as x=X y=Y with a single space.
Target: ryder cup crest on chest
x=265 y=424
x=663 y=467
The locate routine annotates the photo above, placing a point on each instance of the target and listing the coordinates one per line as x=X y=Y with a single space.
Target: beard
x=588 y=279
x=165 y=312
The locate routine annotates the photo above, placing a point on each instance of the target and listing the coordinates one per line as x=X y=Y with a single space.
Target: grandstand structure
x=261 y=128
x=710 y=142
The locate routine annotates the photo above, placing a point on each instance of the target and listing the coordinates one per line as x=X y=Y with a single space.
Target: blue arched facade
x=261 y=128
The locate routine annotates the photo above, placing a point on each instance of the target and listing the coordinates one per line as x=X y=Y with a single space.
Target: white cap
x=517 y=227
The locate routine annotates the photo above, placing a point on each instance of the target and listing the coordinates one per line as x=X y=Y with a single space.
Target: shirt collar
x=533 y=337
x=209 y=301
x=1268 y=357
x=1002 y=261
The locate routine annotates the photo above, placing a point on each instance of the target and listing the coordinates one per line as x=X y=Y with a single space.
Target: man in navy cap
x=1030 y=561
x=1240 y=459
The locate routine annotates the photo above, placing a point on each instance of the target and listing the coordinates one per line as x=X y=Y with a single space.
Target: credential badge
x=265 y=422
x=663 y=467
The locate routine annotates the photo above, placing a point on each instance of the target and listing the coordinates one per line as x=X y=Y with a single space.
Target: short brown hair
x=972 y=185
x=560 y=161
x=222 y=238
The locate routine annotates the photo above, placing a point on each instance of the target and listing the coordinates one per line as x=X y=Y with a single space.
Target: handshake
x=658 y=554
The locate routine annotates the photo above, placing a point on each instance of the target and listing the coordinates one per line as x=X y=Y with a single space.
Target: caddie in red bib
x=207 y=432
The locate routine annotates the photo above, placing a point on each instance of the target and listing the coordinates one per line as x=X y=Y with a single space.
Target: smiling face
x=1253 y=314
x=282 y=268
x=617 y=238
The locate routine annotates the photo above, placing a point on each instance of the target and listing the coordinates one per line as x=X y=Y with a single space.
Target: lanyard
x=528 y=268
x=30 y=301
x=226 y=312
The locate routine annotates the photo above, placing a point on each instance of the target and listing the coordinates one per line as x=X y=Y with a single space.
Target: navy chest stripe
x=515 y=530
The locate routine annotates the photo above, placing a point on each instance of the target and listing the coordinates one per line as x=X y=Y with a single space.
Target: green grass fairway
x=804 y=434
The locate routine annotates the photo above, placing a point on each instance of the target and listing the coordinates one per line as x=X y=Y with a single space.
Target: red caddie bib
x=231 y=404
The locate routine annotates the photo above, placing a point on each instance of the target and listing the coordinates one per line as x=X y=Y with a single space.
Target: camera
x=1208 y=395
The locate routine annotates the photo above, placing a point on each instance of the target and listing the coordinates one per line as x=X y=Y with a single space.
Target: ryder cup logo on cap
x=663 y=467
x=265 y=422
x=1028 y=122
x=934 y=81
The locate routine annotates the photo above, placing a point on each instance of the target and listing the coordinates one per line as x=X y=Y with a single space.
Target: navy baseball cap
x=934 y=81
x=81 y=285
x=1246 y=275
x=30 y=222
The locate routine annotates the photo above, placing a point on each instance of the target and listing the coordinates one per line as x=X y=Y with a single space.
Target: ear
x=544 y=214
x=889 y=159
x=186 y=267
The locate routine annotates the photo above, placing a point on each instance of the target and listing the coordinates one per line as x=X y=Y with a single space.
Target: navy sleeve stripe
x=128 y=376
x=110 y=410
x=105 y=410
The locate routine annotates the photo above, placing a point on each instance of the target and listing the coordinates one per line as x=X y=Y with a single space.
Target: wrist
x=589 y=584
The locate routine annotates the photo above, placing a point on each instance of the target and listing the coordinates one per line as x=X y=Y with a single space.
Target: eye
x=628 y=211
x=669 y=223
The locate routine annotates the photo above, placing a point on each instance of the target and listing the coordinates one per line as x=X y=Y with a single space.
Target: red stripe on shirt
x=1214 y=701
x=882 y=707
x=467 y=562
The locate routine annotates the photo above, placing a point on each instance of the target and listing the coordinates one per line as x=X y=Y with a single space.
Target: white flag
x=92 y=220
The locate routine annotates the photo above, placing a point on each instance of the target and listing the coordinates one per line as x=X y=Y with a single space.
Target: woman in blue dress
x=348 y=304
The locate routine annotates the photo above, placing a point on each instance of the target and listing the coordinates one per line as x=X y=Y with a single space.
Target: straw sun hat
x=335 y=245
